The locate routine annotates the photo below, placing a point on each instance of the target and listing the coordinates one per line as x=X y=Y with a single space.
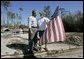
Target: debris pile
x=74 y=38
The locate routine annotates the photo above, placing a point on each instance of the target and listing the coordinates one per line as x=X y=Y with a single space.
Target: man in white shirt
x=32 y=30
x=42 y=23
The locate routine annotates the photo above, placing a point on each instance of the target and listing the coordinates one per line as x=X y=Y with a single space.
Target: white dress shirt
x=43 y=23
x=32 y=21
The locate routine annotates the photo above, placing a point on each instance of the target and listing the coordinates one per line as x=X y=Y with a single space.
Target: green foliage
x=73 y=23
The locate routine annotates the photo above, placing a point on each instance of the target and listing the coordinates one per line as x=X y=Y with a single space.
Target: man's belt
x=34 y=27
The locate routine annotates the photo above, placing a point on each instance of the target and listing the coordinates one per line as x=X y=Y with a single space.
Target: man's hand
x=38 y=37
x=30 y=30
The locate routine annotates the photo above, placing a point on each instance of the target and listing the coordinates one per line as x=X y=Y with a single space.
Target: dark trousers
x=32 y=38
x=33 y=42
x=40 y=34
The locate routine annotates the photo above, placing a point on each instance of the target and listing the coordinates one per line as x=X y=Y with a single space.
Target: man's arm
x=29 y=22
x=30 y=30
x=47 y=21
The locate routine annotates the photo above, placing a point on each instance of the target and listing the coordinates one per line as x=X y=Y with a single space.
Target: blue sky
x=28 y=6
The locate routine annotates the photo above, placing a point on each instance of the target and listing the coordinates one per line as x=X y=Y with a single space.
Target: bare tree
x=20 y=15
x=11 y=17
x=17 y=20
x=6 y=4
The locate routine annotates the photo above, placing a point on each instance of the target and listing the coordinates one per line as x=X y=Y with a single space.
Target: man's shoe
x=35 y=49
x=45 y=49
x=30 y=51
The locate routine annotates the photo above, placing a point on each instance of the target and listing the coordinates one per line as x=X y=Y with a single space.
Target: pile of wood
x=74 y=38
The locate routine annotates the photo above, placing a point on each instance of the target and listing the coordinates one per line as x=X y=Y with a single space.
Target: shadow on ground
x=24 y=48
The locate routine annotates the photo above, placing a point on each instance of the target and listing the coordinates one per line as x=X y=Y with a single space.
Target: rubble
x=74 y=38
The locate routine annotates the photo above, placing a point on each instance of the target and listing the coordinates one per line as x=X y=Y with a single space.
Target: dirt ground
x=8 y=38
x=77 y=53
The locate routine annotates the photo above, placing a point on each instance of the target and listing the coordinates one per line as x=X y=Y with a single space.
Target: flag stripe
x=52 y=36
x=49 y=31
x=57 y=33
x=62 y=29
x=54 y=30
x=59 y=27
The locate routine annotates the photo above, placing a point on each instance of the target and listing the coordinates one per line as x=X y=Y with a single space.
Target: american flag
x=55 y=30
